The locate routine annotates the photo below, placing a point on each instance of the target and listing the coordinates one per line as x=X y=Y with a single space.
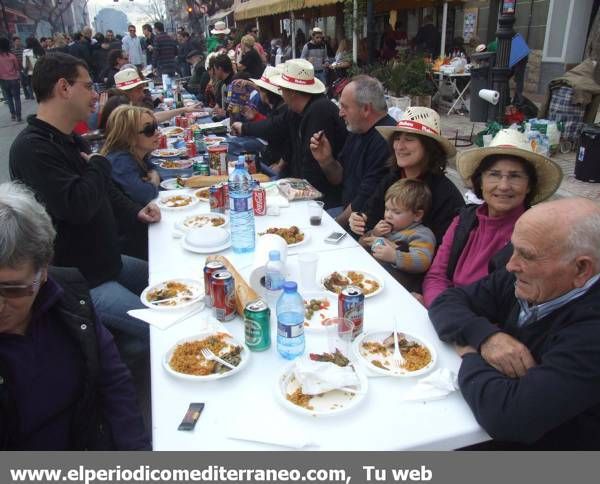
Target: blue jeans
x=11 y=90
x=114 y=298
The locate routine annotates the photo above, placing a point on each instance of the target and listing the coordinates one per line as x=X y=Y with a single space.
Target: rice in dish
x=176 y=201
x=416 y=355
x=337 y=281
x=170 y=290
x=187 y=357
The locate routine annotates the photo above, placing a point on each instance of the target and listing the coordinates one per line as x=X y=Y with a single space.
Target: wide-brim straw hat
x=514 y=143
x=265 y=80
x=422 y=121
x=220 y=28
x=127 y=79
x=299 y=75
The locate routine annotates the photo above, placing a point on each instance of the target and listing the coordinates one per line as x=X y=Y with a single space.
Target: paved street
x=9 y=130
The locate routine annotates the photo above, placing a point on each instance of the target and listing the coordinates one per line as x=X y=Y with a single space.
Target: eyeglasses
x=513 y=177
x=13 y=291
x=149 y=130
x=89 y=85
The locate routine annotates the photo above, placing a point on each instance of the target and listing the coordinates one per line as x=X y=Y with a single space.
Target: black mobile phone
x=191 y=416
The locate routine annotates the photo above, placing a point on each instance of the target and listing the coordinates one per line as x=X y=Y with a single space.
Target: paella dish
x=187 y=357
x=338 y=280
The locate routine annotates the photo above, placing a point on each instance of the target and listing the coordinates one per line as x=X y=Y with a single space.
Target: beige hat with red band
x=128 y=79
x=511 y=142
x=220 y=28
x=423 y=121
x=265 y=80
x=299 y=75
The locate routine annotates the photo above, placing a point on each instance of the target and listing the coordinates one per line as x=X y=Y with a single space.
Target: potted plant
x=410 y=77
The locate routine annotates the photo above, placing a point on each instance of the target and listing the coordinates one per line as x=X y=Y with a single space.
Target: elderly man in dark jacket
x=62 y=383
x=529 y=336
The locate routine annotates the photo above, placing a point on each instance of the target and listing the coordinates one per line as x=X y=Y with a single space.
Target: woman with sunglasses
x=131 y=135
x=64 y=386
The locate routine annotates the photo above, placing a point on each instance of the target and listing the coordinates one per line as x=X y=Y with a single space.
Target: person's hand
x=507 y=355
x=461 y=350
x=219 y=112
x=85 y=156
x=418 y=297
x=367 y=241
x=386 y=252
x=150 y=214
x=236 y=129
x=382 y=228
x=249 y=113
x=102 y=101
x=357 y=222
x=193 y=108
x=320 y=147
x=153 y=177
x=149 y=47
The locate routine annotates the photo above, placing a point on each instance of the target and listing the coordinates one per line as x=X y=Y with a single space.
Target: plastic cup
x=315 y=212
x=339 y=335
x=307 y=264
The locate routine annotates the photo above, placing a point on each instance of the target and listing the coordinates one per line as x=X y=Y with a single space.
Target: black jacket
x=296 y=130
x=556 y=405
x=445 y=204
x=107 y=385
x=87 y=209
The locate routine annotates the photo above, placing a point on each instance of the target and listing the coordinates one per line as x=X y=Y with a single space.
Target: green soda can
x=257 y=321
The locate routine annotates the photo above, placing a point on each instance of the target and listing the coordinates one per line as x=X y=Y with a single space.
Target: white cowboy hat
x=265 y=80
x=127 y=79
x=316 y=30
x=419 y=120
x=299 y=75
x=514 y=143
x=220 y=28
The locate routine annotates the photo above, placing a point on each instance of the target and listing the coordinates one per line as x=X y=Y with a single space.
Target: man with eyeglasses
x=529 y=334
x=90 y=213
x=63 y=385
x=133 y=47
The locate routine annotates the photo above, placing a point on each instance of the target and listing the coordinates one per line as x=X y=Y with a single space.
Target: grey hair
x=26 y=231
x=584 y=237
x=369 y=90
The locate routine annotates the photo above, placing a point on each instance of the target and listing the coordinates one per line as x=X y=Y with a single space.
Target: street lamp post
x=501 y=72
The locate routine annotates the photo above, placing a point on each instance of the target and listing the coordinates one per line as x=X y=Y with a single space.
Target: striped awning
x=245 y=9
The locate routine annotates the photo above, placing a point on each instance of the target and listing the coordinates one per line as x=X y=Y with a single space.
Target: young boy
x=400 y=240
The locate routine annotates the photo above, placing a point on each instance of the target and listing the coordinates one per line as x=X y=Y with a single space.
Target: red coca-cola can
x=190 y=148
x=188 y=134
x=215 y=198
x=184 y=122
x=259 y=200
x=177 y=121
x=251 y=163
x=162 y=142
x=223 y=295
x=225 y=194
x=209 y=269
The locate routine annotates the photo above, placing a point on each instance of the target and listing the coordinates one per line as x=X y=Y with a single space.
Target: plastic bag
x=547 y=127
x=491 y=129
x=298 y=189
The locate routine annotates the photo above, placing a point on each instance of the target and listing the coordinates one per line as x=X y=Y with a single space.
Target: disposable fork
x=209 y=355
x=397 y=358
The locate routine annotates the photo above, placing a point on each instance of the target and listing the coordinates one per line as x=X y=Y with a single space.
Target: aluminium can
x=162 y=142
x=215 y=198
x=259 y=201
x=351 y=305
x=190 y=148
x=222 y=289
x=225 y=195
x=257 y=325
x=209 y=269
x=377 y=242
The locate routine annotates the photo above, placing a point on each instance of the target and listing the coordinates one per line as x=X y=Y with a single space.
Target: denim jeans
x=11 y=90
x=114 y=298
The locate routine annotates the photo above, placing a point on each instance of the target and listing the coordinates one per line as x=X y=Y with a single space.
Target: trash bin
x=587 y=165
x=480 y=79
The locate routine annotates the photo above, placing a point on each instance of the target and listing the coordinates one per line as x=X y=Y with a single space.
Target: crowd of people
x=511 y=282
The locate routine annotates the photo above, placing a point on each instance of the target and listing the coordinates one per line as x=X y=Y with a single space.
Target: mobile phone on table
x=191 y=416
x=335 y=237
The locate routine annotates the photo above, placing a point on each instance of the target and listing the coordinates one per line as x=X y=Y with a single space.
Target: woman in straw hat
x=419 y=151
x=509 y=177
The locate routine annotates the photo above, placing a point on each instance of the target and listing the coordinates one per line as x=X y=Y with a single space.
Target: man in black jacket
x=309 y=113
x=529 y=336
x=86 y=207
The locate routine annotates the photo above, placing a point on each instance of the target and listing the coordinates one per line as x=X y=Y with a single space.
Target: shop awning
x=245 y=9
x=221 y=14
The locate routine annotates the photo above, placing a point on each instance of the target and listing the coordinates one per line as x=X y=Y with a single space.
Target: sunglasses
x=13 y=291
x=149 y=130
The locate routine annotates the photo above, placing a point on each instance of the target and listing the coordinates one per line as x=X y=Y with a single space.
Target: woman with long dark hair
x=10 y=75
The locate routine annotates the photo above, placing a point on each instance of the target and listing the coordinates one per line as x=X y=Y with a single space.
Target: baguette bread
x=244 y=294
x=201 y=181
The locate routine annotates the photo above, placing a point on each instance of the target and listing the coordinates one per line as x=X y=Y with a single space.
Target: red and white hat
x=422 y=121
x=299 y=75
x=128 y=79
x=265 y=80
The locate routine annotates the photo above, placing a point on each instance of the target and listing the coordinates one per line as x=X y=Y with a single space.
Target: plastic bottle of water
x=241 y=213
x=274 y=272
x=290 y=322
